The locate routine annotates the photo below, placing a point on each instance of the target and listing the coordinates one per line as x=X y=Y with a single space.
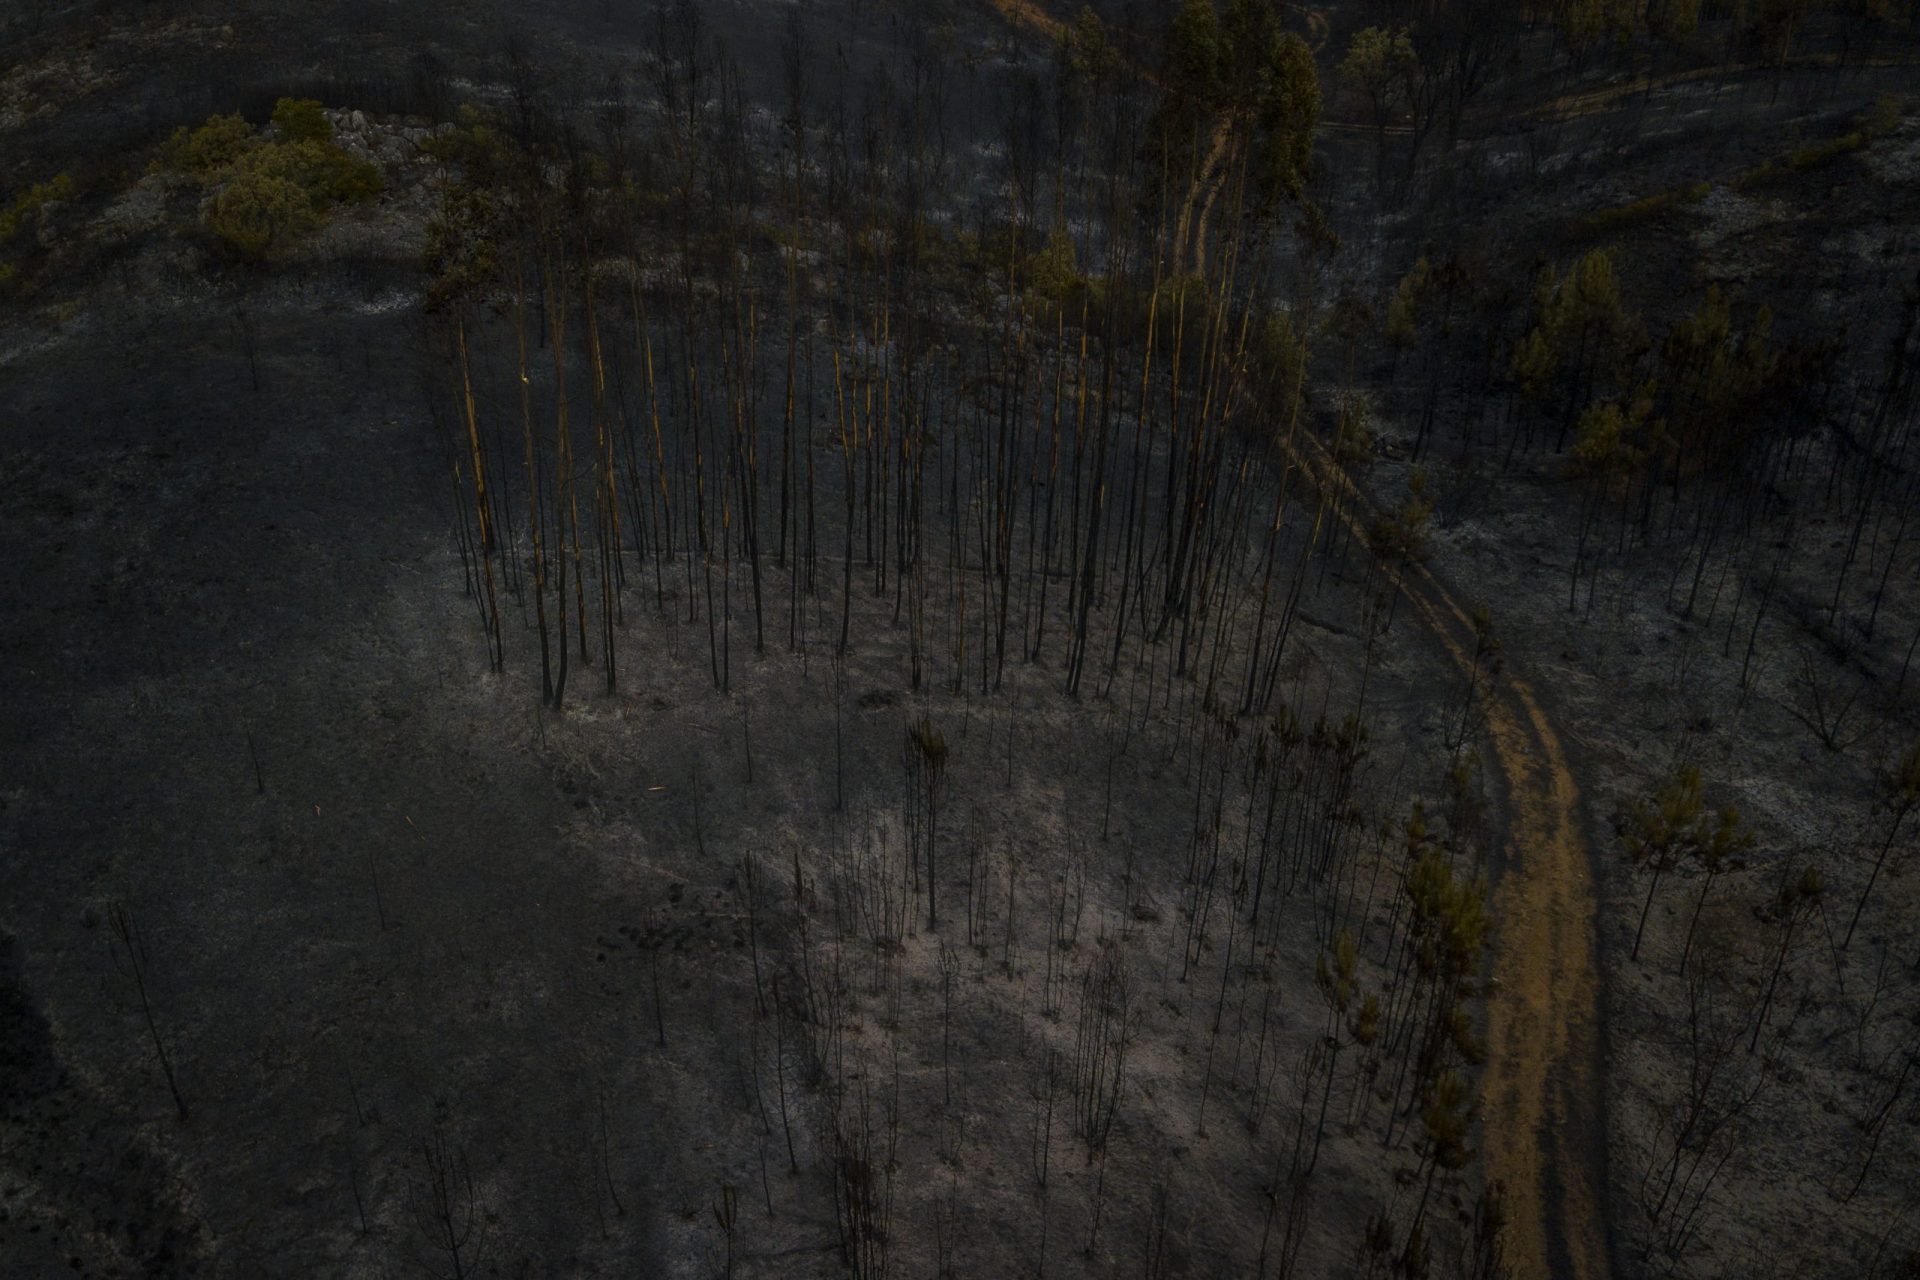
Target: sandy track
x=1542 y=1100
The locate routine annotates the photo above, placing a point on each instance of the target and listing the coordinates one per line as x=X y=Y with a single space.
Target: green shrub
x=462 y=251
x=14 y=216
x=302 y=120
x=203 y=153
x=1053 y=276
x=257 y=210
x=1403 y=308
x=475 y=146
x=349 y=179
x=269 y=192
x=327 y=173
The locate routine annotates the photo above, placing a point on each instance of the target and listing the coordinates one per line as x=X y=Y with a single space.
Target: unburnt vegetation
x=969 y=641
x=262 y=192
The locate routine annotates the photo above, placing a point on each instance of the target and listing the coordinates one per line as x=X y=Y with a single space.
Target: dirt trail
x=1542 y=1100
x=1541 y=1093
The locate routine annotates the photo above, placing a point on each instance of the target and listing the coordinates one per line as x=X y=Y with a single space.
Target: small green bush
x=201 y=154
x=324 y=171
x=349 y=179
x=302 y=120
x=267 y=192
x=477 y=148
x=14 y=216
x=1053 y=276
x=257 y=210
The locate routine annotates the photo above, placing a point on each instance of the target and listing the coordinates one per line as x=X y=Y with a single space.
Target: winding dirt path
x=1542 y=1099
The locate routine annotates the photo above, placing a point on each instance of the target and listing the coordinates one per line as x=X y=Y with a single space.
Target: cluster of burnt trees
x=1291 y=855
x=736 y=376
x=1047 y=425
x=1711 y=444
x=1755 y=491
x=1739 y=468
x=1710 y=456
x=764 y=376
x=1740 y=1035
x=765 y=379
x=1708 y=450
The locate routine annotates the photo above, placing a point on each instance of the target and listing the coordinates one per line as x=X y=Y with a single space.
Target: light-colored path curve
x=1542 y=1100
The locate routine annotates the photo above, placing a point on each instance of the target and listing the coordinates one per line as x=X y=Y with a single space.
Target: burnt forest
x=989 y=639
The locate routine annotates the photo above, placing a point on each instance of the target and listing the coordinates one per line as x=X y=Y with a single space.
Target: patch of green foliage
x=204 y=153
x=1401 y=534
x=464 y=238
x=266 y=192
x=1234 y=68
x=257 y=210
x=1621 y=217
x=1723 y=381
x=17 y=214
x=1352 y=445
x=1278 y=359
x=323 y=171
x=29 y=202
x=1586 y=23
x=1581 y=331
x=1614 y=438
x=488 y=181
x=1403 y=308
x=476 y=147
x=1053 y=275
x=302 y=120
